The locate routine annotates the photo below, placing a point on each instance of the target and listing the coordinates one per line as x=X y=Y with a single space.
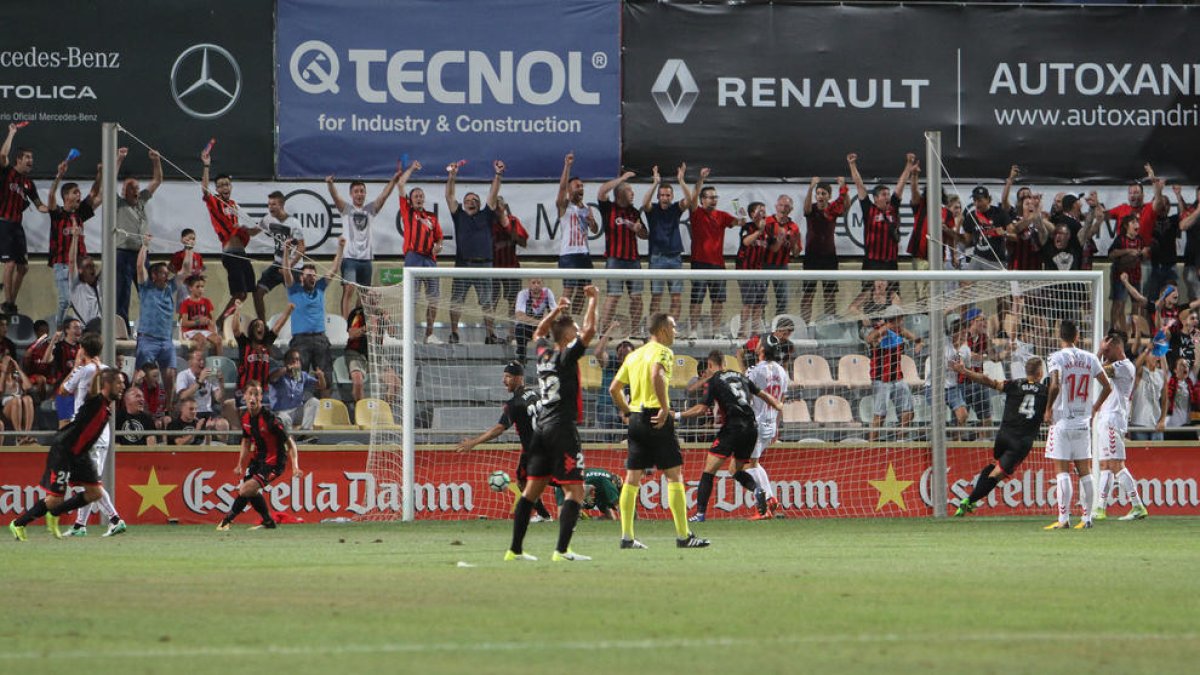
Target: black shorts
x=239 y=272
x=264 y=474
x=64 y=469
x=12 y=243
x=868 y=265
x=556 y=453
x=650 y=447
x=735 y=438
x=523 y=468
x=271 y=277
x=819 y=262
x=1010 y=450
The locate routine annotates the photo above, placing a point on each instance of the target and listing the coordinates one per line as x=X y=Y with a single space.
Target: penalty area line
x=590 y=645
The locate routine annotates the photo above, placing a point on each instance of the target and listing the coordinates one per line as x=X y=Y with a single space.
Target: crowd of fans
x=1028 y=232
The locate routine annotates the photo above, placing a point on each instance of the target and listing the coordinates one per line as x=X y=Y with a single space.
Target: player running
x=520 y=411
x=1112 y=423
x=1070 y=408
x=1024 y=407
x=772 y=378
x=69 y=461
x=268 y=448
x=555 y=453
x=738 y=436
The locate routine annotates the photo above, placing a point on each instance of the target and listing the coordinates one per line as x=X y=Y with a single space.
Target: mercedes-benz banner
x=787 y=90
x=175 y=73
x=365 y=84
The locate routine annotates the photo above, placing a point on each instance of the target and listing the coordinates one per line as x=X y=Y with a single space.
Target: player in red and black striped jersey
x=622 y=223
x=266 y=450
x=69 y=461
x=880 y=218
x=730 y=391
x=17 y=192
x=223 y=213
x=519 y=411
x=752 y=254
x=555 y=453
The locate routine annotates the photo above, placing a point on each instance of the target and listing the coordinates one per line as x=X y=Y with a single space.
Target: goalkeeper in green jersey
x=601 y=492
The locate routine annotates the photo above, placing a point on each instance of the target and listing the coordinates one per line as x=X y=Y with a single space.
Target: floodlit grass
x=787 y=596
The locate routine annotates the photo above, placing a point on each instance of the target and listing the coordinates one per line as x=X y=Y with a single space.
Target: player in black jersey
x=70 y=461
x=555 y=453
x=521 y=411
x=1024 y=406
x=731 y=391
x=267 y=447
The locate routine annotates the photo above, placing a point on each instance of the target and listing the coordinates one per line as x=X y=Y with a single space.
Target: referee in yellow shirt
x=652 y=441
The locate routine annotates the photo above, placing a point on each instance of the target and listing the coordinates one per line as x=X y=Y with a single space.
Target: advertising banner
x=155 y=487
x=787 y=90
x=176 y=73
x=366 y=83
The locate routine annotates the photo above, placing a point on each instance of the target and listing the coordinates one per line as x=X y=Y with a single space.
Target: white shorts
x=197 y=333
x=99 y=451
x=1068 y=444
x=766 y=436
x=1111 y=442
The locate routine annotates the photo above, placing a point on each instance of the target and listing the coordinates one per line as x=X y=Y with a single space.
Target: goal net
x=866 y=355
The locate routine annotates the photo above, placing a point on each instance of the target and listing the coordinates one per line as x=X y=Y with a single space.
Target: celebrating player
x=652 y=441
x=268 y=448
x=1068 y=441
x=69 y=461
x=772 y=378
x=555 y=452
x=520 y=410
x=1113 y=422
x=738 y=436
x=1024 y=408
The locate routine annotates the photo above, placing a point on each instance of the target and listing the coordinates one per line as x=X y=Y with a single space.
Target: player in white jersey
x=79 y=383
x=1069 y=414
x=770 y=377
x=1111 y=425
x=575 y=222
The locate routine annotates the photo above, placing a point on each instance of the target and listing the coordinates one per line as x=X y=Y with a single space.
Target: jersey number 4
x=1028 y=406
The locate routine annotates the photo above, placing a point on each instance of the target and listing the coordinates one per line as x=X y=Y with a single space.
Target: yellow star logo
x=890 y=489
x=154 y=494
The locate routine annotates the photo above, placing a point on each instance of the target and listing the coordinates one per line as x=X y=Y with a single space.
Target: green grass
x=972 y=596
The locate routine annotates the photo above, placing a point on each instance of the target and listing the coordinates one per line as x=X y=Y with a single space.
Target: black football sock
x=541 y=509
x=520 y=524
x=984 y=484
x=746 y=480
x=36 y=511
x=704 y=492
x=236 y=509
x=78 y=501
x=568 y=515
x=114 y=519
x=260 y=505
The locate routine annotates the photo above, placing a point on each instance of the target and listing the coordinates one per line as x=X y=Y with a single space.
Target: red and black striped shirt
x=90 y=421
x=357 y=321
x=776 y=231
x=751 y=256
x=1131 y=266
x=881 y=229
x=176 y=262
x=224 y=216
x=255 y=362
x=420 y=229
x=61 y=222
x=504 y=242
x=885 y=363
x=64 y=361
x=268 y=439
x=1024 y=254
x=918 y=242
x=17 y=192
x=620 y=230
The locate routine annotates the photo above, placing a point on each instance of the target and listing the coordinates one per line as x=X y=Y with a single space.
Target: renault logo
x=205 y=81
x=675 y=71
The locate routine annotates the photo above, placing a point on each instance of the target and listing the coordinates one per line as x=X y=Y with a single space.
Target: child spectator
x=149 y=379
x=196 y=321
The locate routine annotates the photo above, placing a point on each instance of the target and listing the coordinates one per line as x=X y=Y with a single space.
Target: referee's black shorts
x=1010 y=450
x=650 y=447
x=736 y=438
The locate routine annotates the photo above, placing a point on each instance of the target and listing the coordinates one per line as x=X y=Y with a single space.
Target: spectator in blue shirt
x=473 y=247
x=291 y=397
x=156 y=320
x=308 y=320
x=666 y=246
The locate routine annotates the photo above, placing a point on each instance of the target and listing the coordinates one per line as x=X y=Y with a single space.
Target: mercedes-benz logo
x=206 y=81
x=675 y=71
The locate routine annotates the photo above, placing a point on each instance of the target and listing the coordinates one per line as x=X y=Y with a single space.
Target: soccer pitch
x=977 y=595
